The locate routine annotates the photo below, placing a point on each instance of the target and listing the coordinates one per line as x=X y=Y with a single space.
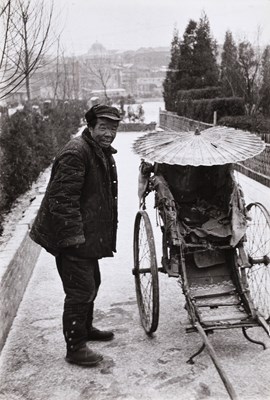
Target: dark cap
x=102 y=111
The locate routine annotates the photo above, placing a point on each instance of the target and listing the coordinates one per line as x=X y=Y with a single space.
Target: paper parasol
x=214 y=146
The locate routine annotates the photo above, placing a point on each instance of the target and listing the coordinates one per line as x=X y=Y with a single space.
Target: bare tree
x=5 y=12
x=231 y=77
x=99 y=69
x=65 y=76
x=27 y=25
x=8 y=74
x=249 y=60
x=265 y=86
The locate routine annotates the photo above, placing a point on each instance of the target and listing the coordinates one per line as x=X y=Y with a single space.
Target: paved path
x=32 y=365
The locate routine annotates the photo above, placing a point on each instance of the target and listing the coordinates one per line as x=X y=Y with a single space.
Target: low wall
x=136 y=126
x=17 y=261
x=257 y=168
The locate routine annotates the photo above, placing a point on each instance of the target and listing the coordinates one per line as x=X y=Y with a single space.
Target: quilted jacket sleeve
x=64 y=199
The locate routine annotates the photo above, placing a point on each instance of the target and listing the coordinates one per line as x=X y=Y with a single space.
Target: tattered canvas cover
x=208 y=200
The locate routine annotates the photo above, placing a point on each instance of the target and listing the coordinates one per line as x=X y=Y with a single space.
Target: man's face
x=104 y=132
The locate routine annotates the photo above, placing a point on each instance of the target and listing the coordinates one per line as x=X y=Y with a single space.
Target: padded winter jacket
x=79 y=208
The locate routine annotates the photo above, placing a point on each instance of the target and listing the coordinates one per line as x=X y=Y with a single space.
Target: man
x=77 y=223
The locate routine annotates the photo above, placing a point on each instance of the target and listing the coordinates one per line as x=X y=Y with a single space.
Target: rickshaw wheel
x=146 y=273
x=257 y=248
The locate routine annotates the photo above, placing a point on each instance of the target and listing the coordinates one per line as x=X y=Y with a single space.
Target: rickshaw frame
x=238 y=295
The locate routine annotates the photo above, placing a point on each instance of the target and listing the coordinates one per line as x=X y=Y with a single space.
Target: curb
x=17 y=262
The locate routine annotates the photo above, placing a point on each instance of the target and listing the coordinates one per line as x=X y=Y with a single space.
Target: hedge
x=256 y=123
x=203 y=110
x=197 y=94
x=28 y=143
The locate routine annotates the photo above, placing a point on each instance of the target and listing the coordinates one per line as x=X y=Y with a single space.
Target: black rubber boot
x=97 y=335
x=83 y=356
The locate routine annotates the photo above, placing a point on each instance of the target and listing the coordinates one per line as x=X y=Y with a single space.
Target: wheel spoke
x=146 y=282
x=258 y=247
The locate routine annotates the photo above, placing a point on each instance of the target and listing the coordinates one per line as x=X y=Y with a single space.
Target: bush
x=256 y=124
x=197 y=94
x=28 y=143
x=25 y=145
x=203 y=110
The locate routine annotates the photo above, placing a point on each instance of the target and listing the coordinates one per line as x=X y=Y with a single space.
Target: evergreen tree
x=206 y=71
x=170 y=85
x=265 y=88
x=231 y=76
x=186 y=62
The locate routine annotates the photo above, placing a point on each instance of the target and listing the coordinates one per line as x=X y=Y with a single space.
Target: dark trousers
x=81 y=280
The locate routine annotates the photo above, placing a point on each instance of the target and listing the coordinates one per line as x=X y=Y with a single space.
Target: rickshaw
x=212 y=242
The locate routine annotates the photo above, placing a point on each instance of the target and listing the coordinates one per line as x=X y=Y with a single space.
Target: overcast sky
x=131 y=24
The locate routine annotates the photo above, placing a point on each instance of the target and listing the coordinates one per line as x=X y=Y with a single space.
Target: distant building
x=152 y=86
x=17 y=97
x=113 y=94
x=152 y=57
x=138 y=73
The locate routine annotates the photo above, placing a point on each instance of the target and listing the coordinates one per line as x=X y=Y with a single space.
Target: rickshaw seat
x=206 y=201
